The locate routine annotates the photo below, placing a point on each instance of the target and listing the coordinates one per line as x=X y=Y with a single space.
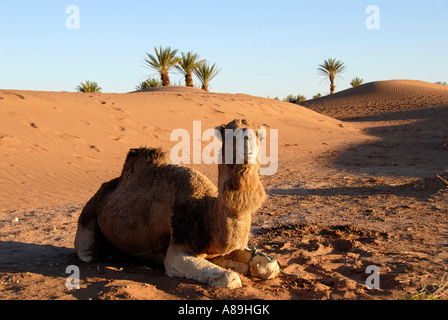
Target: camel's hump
x=150 y=156
x=154 y=155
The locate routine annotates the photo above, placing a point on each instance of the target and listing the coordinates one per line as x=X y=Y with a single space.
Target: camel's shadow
x=422 y=189
x=415 y=145
x=23 y=255
x=52 y=261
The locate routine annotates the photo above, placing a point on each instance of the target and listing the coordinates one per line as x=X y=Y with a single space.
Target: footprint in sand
x=117 y=109
x=76 y=140
x=38 y=148
x=8 y=142
x=120 y=135
x=175 y=110
x=68 y=136
x=115 y=137
x=84 y=157
x=118 y=114
x=212 y=108
x=120 y=128
x=24 y=118
x=94 y=148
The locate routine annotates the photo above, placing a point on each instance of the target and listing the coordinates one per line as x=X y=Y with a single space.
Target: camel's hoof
x=228 y=279
x=264 y=268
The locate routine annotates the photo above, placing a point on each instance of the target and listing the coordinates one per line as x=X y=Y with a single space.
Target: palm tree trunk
x=205 y=86
x=165 y=79
x=189 y=80
x=332 y=86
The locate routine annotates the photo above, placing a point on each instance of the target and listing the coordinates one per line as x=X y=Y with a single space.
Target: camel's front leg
x=180 y=263
x=251 y=262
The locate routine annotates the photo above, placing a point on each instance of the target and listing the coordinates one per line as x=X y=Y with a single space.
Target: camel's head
x=240 y=142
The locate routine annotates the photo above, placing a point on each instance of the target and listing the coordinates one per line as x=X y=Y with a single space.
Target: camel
x=174 y=215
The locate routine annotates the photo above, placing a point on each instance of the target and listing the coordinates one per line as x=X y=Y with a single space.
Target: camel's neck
x=240 y=193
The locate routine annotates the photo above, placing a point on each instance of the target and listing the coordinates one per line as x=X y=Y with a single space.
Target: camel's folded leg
x=90 y=243
x=248 y=262
x=180 y=263
x=85 y=242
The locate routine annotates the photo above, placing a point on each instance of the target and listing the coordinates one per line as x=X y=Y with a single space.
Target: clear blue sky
x=265 y=48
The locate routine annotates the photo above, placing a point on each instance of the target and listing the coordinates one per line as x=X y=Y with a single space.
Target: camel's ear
x=261 y=133
x=219 y=130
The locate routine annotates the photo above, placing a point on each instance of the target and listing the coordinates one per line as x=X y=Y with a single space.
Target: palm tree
x=88 y=86
x=164 y=60
x=149 y=83
x=356 y=82
x=187 y=65
x=206 y=73
x=295 y=99
x=331 y=68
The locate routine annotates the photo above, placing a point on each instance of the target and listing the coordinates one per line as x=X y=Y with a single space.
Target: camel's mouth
x=250 y=157
x=249 y=146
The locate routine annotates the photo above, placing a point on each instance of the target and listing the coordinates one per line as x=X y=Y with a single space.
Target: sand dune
x=380 y=97
x=58 y=147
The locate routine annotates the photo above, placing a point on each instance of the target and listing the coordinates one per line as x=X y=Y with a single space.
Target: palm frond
x=189 y=62
x=164 y=59
x=147 y=84
x=88 y=86
x=356 y=82
x=206 y=73
x=187 y=65
x=331 y=67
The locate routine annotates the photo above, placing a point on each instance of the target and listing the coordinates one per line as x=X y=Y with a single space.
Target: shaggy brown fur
x=154 y=205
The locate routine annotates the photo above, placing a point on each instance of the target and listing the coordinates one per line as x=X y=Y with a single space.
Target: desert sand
x=379 y=98
x=361 y=181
